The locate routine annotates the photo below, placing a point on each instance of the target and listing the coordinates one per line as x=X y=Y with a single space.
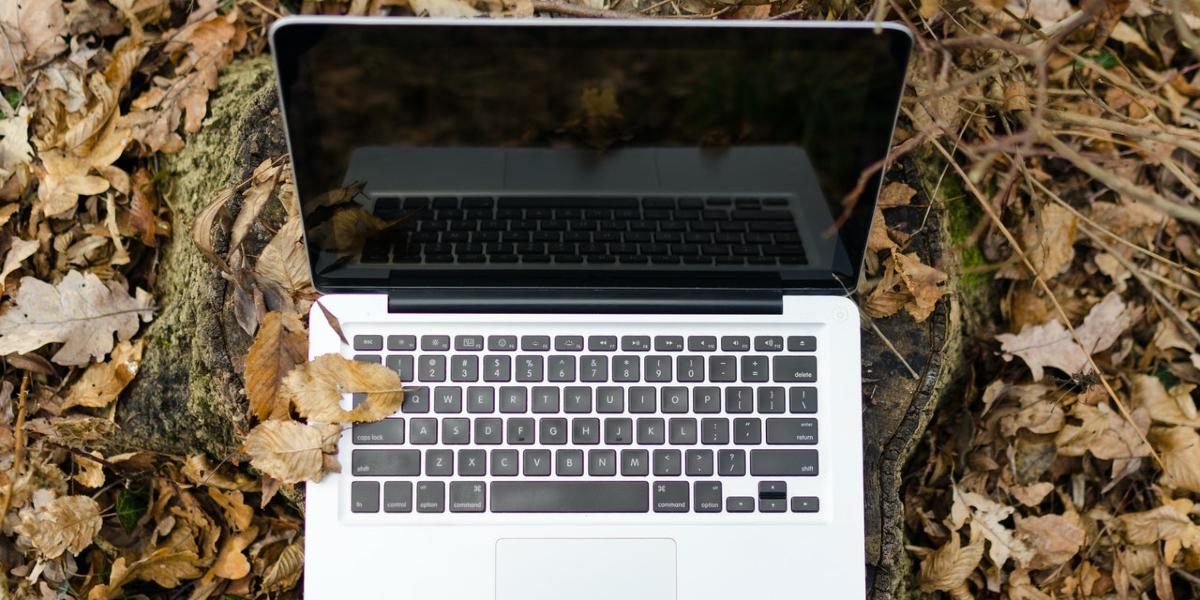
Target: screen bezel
x=291 y=37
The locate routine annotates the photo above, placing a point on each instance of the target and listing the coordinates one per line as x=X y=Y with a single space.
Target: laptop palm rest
x=585 y=569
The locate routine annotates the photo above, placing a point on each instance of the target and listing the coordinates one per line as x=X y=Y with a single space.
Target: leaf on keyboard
x=280 y=345
x=316 y=388
x=289 y=451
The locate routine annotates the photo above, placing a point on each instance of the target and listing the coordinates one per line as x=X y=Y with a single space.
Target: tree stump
x=188 y=396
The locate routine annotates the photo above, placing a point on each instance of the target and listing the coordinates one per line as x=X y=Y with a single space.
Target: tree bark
x=188 y=396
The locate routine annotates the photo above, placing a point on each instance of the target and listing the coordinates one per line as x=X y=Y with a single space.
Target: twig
x=891 y=347
x=19 y=446
x=1141 y=277
x=1062 y=313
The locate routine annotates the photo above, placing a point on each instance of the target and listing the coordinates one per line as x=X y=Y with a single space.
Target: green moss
x=974 y=282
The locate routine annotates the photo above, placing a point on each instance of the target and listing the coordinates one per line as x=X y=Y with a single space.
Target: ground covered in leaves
x=1060 y=138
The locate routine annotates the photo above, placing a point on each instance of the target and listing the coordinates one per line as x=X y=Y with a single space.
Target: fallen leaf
x=1048 y=243
x=284 y=573
x=1104 y=433
x=1054 y=539
x=91 y=472
x=81 y=312
x=15 y=152
x=1051 y=345
x=879 y=239
x=289 y=451
x=896 y=193
x=102 y=383
x=1167 y=522
x=265 y=176
x=907 y=283
x=1175 y=407
x=1039 y=410
x=143 y=207
x=1045 y=12
x=20 y=250
x=66 y=523
x=163 y=566
x=987 y=518
x=237 y=513
x=33 y=34
x=231 y=562
x=317 y=387
x=947 y=569
x=1032 y=494
x=1179 y=448
x=283 y=270
x=280 y=345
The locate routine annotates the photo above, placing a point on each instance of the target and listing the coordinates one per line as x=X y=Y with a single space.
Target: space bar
x=570 y=496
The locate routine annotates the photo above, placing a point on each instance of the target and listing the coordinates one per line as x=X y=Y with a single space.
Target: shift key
x=782 y=463
x=380 y=463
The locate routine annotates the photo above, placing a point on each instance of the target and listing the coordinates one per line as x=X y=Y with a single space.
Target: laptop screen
x=547 y=153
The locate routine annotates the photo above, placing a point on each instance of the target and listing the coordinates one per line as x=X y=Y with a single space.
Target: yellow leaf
x=947 y=569
x=289 y=451
x=279 y=346
x=231 y=562
x=317 y=387
x=285 y=571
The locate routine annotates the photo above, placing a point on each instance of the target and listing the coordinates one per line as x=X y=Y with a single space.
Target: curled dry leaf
x=285 y=571
x=283 y=271
x=987 y=518
x=20 y=250
x=280 y=345
x=1179 y=448
x=909 y=284
x=1032 y=494
x=265 y=176
x=231 y=562
x=237 y=513
x=91 y=472
x=289 y=451
x=1054 y=539
x=316 y=388
x=1051 y=345
x=15 y=152
x=101 y=383
x=947 y=569
x=1170 y=521
x=33 y=33
x=164 y=566
x=66 y=523
x=1104 y=433
x=1174 y=407
x=81 y=312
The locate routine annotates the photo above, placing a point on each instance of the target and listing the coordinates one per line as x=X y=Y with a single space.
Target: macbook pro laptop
x=609 y=260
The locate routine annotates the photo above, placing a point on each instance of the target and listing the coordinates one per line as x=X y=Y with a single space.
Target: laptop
x=610 y=261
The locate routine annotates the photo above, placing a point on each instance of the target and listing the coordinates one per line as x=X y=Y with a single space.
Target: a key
x=468 y=496
x=802 y=400
x=658 y=369
x=513 y=399
x=364 y=495
x=545 y=399
x=722 y=369
x=747 y=431
x=416 y=400
x=668 y=343
x=481 y=399
x=497 y=368
x=602 y=343
x=519 y=431
x=431 y=496
x=431 y=368
x=456 y=431
x=585 y=431
x=702 y=343
x=568 y=343
x=667 y=462
x=801 y=343
x=635 y=463
x=439 y=463
x=593 y=368
x=651 y=431
x=768 y=343
x=792 y=431
x=707 y=496
x=387 y=431
x=754 y=368
x=487 y=431
x=674 y=400
x=536 y=463
x=610 y=400
x=706 y=400
x=568 y=463
x=794 y=369
x=552 y=432
x=602 y=463
x=682 y=431
x=401 y=343
x=472 y=463
x=535 y=343
x=385 y=463
x=529 y=368
x=577 y=399
x=435 y=342
x=464 y=368
x=771 y=400
x=570 y=497
x=714 y=431
x=671 y=496
x=635 y=343
x=468 y=343
x=689 y=369
x=783 y=463
x=618 y=431
x=739 y=400
x=626 y=369
x=422 y=431
x=504 y=463
x=735 y=343
x=447 y=399
x=369 y=358
x=731 y=463
x=369 y=342
x=402 y=364
x=698 y=463
x=642 y=400
x=806 y=504
x=560 y=368
x=502 y=343
x=739 y=504
x=397 y=496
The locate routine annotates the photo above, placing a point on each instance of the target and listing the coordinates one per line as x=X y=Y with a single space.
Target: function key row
x=595 y=343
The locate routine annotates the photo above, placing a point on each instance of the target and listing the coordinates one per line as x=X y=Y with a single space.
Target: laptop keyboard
x=594 y=231
x=591 y=424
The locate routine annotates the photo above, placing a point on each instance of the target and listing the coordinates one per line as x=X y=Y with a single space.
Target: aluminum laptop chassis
x=454 y=556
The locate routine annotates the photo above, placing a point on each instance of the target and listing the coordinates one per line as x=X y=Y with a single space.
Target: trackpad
x=585 y=569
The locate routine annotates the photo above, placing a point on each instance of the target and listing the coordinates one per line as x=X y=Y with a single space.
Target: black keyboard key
x=439 y=463
x=385 y=463
x=651 y=431
x=732 y=463
x=602 y=463
x=447 y=399
x=535 y=343
x=768 y=343
x=513 y=399
x=707 y=496
x=387 y=431
x=422 y=431
x=520 y=431
x=456 y=432
x=702 y=343
x=468 y=343
x=504 y=463
x=689 y=369
x=402 y=364
x=735 y=343
x=772 y=400
x=364 y=496
x=585 y=431
x=545 y=399
x=747 y=431
x=568 y=343
x=674 y=400
x=593 y=369
x=618 y=431
x=497 y=368
x=602 y=343
x=658 y=369
x=795 y=369
x=635 y=343
x=568 y=463
x=570 y=497
x=783 y=463
x=397 y=497
x=481 y=400
x=464 y=369
x=488 y=432
x=416 y=400
x=739 y=504
x=802 y=400
x=668 y=462
x=668 y=343
x=772 y=490
x=754 y=368
x=682 y=431
x=739 y=400
x=610 y=400
x=806 y=504
x=801 y=343
x=626 y=369
x=435 y=342
x=368 y=342
x=431 y=368
x=792 y=431
x=714 y=431
x=706 y=399
x=722 y=369
x=502 y=343
x=552 y=431
x=431 y=496
x=560 y=368
x=671 y=496
x=535 y=463
x=635 y=463
x=401 y=343
x=529 y=368
x=698 y=463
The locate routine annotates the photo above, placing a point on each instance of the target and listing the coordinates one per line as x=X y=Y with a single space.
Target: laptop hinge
x=586 y=300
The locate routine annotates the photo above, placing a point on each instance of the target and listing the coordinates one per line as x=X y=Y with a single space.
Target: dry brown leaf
x=1179 y=448
x=1174 y=407
x=947 y=569
x=986 y=519
x=81 y=312
x=1051 y=345
x=164 y=566
x=15 y=153
x=102 y=383
x=1054 y=539
x=1104 y=433
x=1167 y=522
x=1032 y=494
x=231 y=563
x=265 y=176
x=289 y=451
x=1039 y=410
x=909 y=284
x=879 y=239
x=143 y=207
x=896 y=193
x=280 y=345
x=33 y=33
x=317 y=387
x=91 y=472
x=66 y=523
x=1047 y=241
x=237 y=512
x=199 y=470
x=20 y=250
x=283 y=270
x=285 y=571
